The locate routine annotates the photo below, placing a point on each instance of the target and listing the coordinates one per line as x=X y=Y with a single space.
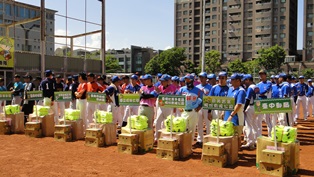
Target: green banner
x=129 y=99
x=35 y=95
x=94 y=97
x=5 y=95
x=218 y=103
x=269 y=106
x=172 y=101
x=63 y=96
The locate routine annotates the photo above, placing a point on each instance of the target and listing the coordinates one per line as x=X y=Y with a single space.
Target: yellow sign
x=6 y=52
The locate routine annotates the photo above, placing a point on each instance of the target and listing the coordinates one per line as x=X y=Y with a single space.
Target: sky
x=145 y=23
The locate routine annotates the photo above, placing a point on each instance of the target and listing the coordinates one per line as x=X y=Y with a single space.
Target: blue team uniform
x=206 y=88
x=218 y=90
x=132 y=88
x=309 y=93
x=264 y=88
x=48 y=87
x=276 y=91
x=239 y=95
x=301 y=89
x=285 y=90
x=193 y=97
x=18 y=88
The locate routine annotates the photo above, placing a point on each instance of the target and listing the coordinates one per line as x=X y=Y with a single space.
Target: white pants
x=202 y=116
x=116 y=113
x=81 y=105
x=192 y=119
x=129 y=111
x=310 y=104
x=91 y=108
x=282 y=119
x=58 y=109
x=73 y=104
x=1 y=107
x=250 y=127
x=16 y=100
x=162 y=114
x=259 y=124
x=300 y=100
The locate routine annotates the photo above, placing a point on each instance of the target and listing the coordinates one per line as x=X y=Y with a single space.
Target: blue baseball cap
x=211 y=76
x=272 y=76
x=247 y=76
x=189 y=76
x=309 y=80
x=147 y=76
x=181 y=79
x=164 y=77
x=203 y=74
x=293 y=78
x=222 y=73
x=235 y=76
x=175 y=78
x=115 y=79
x=135 y=77
x=282 y=75
x=159 y=75
x=301 y=77
x=277 y=77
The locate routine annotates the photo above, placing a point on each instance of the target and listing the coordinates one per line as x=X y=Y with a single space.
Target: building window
x=283 y=1
x=275 y=36
x=282 y=27
x=185 y=20
x=309 y=43
x=309 y=25
x=8 y=9
x=310 y=33
x=282 y=35
x=185 y=41
x=214 y=9
x=214 y=40
x=185 y=27
x=185 y=34
x=214 y=24
x=185 y=12
x=282 y=9
x=185 y=5
x=214 y=17
x=282 y=44
x=282 y=18
x=275 y=19
x=310 y=6
x=309 y=15
x=214 y=32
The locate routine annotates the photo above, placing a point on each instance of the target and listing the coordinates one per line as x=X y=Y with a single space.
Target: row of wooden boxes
x=12 y=123
x=284 y=160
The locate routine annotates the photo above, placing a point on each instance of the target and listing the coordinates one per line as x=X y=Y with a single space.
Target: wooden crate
x=33 y=133
x=128 y=139
x=94 y=133
x=32 y=126
x=128 y=149
x=109 y=131
x=5 y=127
x=213 y=149
x=145 y=138
x=272 y=169
x=47 y=124
x=272 y=156
x=168 y=144
x=64 y=129
x=63 y=137
x=95 y=142
x=217 y=161
x=167 y=154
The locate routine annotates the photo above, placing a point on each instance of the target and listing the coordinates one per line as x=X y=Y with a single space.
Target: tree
x=212 y=61
x=152 y=66
x=169 y=61
x=272 y=58
x=252 y=66
x=112 y=64
x=191 y=67
x=308 y=73
x=237 y=66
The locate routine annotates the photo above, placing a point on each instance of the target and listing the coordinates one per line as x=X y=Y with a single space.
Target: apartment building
x=238 y=29
x=308 y=37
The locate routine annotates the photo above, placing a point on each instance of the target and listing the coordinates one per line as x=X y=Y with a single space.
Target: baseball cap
x=175 y=78
x=211 y=76
x=181 y=79
x=75 y=77
x=164 y=77
x=159 y=75
x=28 y=76
x=17 y=76
x=247 y=76
x=202 y=74
x=272 y=76
x=83 y=75
x=91 y=75
x=301 y=77
x=69 y=77
x=235 y=76
x=262 y=71
x=309 y=80
x=277 y=77
x=58 y=76
x=115 y=79
x=222 y=73
x=147 y=76
x=282 y=75
x=48 y=72
x=135 y=77
x=189 y=76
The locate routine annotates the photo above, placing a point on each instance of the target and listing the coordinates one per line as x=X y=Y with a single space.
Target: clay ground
x=23 y=156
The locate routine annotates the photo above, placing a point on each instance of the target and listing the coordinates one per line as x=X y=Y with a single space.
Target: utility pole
x=42 y=37
x=203 y=36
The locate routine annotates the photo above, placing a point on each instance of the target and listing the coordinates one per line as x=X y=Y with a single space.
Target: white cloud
x=168 y=47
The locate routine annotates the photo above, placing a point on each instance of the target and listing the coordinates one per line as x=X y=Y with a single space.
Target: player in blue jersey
x=265 y=87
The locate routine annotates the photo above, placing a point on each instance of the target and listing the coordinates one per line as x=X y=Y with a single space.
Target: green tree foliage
x=252 y=66
x=112 y=64
x=169 y=61
x=212 y=61
x=237 y=66
x=272 y=58
x=308 y=73
x=190 y=67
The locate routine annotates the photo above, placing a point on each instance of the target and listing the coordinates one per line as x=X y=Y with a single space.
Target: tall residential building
x=308 y=37
x=26 y=31
x=238 y=29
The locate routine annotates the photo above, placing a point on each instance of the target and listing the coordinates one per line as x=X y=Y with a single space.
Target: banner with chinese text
x=6 y=52
x=94 y=97
x=5 y=95
x=34 y=95
x=129 y=99
x=218 y=103
x=63 y=96
x=269 y=106
x=172 y=101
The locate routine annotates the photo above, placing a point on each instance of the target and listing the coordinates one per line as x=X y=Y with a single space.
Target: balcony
x=263 y=5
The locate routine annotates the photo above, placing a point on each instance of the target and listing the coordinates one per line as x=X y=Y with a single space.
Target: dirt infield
x=23 y=156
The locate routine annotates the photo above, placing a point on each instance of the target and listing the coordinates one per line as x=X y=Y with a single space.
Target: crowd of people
x=193 y=86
